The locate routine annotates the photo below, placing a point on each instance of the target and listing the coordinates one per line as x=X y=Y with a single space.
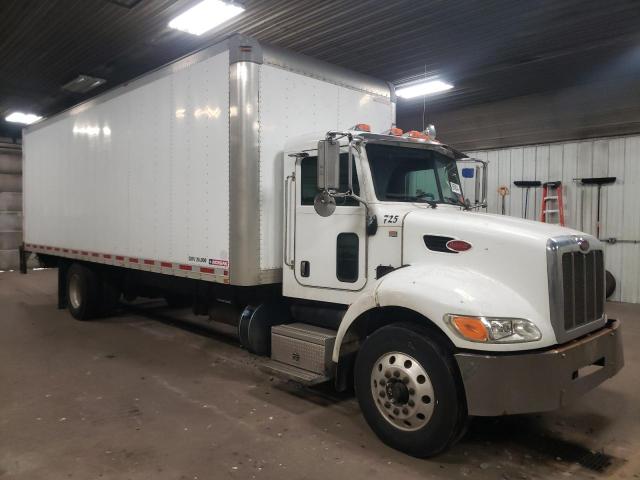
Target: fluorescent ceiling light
x=83 y=83
x=204 y=16
x=423 y=88
x=24 y=118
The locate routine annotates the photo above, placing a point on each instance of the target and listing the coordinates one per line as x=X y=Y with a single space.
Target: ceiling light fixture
x=430 y=87
x=205 y=15
x=24 y=118
x=83 y=83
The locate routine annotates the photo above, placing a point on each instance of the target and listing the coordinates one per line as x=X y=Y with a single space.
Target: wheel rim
x=402 y=391
x=75 y=297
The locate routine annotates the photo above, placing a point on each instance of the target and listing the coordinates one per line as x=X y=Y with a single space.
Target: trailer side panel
x=142 y=175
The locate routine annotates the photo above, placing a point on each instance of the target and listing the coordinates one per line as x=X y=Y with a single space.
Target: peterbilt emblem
x=583 y=244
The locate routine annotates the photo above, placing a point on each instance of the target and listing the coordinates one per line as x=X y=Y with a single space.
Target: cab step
x=296 y=374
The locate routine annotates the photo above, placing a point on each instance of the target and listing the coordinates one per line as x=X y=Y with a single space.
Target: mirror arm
x=349 y=168
x=371 y=222
x=337 y=135
x=485 y=164
x=358 y=199
x=353 y=143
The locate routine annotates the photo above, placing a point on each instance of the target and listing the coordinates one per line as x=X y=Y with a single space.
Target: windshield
x=404 y=174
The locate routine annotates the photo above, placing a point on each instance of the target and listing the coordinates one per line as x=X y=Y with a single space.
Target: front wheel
x=409 y=390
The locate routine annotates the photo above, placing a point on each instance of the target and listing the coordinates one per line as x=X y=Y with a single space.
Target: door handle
x=305 y=268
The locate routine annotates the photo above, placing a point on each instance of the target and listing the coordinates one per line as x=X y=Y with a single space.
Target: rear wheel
x=409 y=390
x=83 y=292
x=610 y=283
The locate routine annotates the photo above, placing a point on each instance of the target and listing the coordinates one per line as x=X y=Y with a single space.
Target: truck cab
x=438 y=310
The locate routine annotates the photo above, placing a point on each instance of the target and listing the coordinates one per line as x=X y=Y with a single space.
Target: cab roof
x=309 y=142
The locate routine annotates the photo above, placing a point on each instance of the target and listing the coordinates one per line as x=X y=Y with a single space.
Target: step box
x=303 y=346
x=289 y=372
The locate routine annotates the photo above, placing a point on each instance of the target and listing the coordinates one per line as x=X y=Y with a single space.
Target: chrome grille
x=583 y=287
x=576 y=286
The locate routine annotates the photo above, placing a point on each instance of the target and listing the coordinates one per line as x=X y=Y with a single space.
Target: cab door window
x=347 y=254
x=309 y=181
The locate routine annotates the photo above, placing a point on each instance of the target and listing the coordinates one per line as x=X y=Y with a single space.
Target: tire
x=84 y=292
x=610 y=283
x=406 y=350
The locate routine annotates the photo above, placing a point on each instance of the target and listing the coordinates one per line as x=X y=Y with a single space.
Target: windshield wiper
x=422 y=196
x=411 y=198
x=455 y=201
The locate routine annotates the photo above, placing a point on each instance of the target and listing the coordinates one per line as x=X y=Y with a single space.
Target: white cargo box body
x=180 y=171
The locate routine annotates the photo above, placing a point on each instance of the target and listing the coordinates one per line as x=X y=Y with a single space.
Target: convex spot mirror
x=324 y=204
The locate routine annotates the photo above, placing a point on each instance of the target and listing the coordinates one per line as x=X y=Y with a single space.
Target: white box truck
x=344 y=255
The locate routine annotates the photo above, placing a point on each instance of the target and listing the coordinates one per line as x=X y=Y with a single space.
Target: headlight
x=493 y=329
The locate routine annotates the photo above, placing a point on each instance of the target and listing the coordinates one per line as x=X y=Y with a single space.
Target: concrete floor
x=143 y=396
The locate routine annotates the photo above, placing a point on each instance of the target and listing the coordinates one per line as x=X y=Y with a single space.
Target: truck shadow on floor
x=180 y=318
x=526 y=436
x=528 y=433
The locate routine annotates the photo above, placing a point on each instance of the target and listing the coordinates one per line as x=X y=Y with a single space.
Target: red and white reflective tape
x=212 y=274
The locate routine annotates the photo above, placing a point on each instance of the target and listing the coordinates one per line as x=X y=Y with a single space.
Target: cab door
x=329 y=252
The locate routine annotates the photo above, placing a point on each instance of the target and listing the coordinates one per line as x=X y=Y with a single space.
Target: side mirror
x=328 y=165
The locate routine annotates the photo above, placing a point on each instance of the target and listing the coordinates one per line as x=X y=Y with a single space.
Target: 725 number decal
x=390 y=219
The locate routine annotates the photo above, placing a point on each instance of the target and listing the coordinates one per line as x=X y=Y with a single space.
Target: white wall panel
x=569 y=172
x=630 y=228
x=614 y=214
x=515 y=195
x=528 y=173
x=504 y=174
x=620 y=203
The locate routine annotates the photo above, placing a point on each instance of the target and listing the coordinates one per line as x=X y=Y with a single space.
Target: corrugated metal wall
x=10 y=207
x=620 y=209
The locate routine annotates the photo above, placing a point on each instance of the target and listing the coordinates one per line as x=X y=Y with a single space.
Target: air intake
x=438 y=243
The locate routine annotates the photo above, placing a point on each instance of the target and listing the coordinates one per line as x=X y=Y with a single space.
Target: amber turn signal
x=416 y=134
x=470 y=328
x=362 y=127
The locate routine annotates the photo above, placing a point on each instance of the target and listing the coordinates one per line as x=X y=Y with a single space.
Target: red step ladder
x=552 y=192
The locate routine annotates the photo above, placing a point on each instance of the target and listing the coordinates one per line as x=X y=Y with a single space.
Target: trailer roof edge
x=242 y=48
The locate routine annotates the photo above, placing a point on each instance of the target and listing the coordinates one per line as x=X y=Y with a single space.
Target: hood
x=506 y=250
x=456 y=223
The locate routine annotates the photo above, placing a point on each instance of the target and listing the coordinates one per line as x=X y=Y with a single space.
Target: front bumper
x=506 y=384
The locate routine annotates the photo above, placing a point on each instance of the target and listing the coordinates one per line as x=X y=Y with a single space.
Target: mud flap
x=63 y=267
x=23 y=258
